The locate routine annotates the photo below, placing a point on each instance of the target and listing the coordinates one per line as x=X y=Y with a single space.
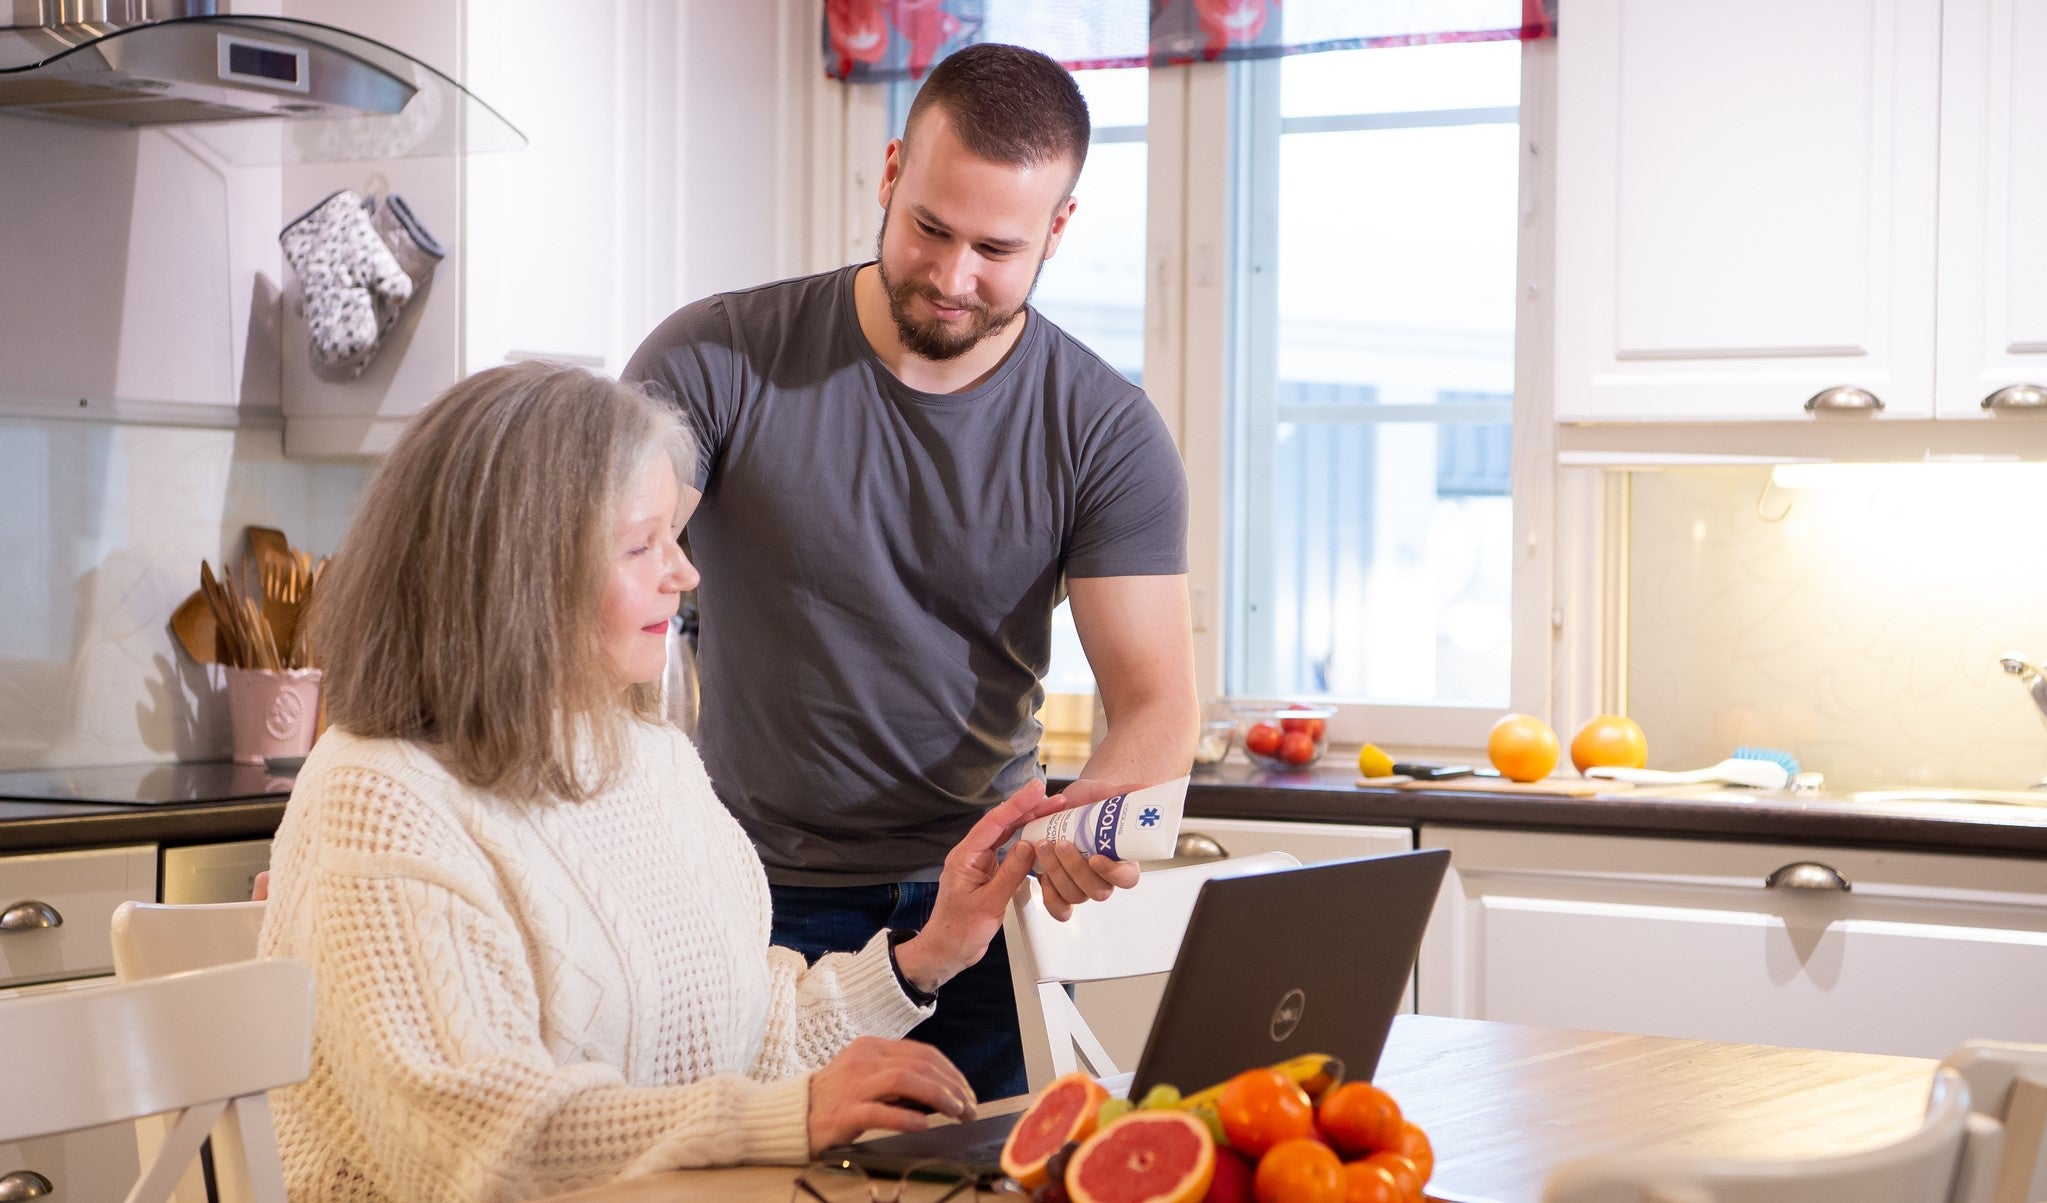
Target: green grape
x=1160 y=1098
x=1112 y=1110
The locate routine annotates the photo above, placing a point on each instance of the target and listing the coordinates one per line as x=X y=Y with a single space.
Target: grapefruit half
x=1147 y=1157
x=1064 y=1112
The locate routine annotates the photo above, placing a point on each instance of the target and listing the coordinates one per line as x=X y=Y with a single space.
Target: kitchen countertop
x=1328 y=793
x=1236 y=790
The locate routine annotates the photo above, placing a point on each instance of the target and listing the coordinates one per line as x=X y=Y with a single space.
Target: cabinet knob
x=2017 y=396
x=29 y=915
x=1193 y=845
x=1808 y=875
x=1843 y=399
x=24 y=1184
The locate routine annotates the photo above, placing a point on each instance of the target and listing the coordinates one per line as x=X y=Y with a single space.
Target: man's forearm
x=1147 y=743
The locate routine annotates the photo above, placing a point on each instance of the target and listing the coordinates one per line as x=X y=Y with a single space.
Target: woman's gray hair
x=461 y=610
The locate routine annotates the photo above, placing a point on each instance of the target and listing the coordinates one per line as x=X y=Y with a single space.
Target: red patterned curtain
x=880 y=40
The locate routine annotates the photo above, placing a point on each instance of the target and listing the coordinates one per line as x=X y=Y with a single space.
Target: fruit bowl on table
x=1284 y=737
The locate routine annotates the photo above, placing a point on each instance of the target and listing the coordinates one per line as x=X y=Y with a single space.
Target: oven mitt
x=350 y=283
x=414 y=249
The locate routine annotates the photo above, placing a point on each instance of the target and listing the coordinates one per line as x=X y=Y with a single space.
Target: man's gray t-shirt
x=880 y=566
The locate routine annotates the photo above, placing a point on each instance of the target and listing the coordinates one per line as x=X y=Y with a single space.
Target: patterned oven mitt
x=356 y=274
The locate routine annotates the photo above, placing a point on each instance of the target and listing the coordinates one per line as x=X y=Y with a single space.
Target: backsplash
x=102 y=527
x=1849 y=614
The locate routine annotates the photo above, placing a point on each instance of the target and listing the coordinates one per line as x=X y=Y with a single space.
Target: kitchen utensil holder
x=274 y=713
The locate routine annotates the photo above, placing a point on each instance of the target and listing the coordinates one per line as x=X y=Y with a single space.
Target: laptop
x=1273 y=965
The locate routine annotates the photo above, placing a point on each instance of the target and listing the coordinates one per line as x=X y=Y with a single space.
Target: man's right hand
x=890 y=1084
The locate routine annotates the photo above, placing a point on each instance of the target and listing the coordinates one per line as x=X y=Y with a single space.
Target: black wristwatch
x=922 y=998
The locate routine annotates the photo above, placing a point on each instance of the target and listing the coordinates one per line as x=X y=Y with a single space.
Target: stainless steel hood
x=254 y=89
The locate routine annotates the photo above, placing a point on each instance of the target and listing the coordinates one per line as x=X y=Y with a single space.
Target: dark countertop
x=1324 y=794
x=1328 y=793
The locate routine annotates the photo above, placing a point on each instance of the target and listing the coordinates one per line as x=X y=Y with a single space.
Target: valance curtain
x=871 y=41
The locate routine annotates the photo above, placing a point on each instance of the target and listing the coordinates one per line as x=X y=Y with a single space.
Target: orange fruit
x=1260 y=1108
x=1364 y=1182
x=1157 y=1156
x=1414 y=1145
x=1609 y=740
x=1522 y=747
x=1359 y=1118
x=1065 y=1111
x=1406 y=1174
x=1299 y=1171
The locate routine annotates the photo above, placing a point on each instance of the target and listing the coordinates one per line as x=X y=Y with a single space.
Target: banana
x=1314 y=1073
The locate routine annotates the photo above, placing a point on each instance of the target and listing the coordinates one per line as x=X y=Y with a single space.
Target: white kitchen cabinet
x=1120 y=1012
x=56 y=916
x=1685 y=938
x=1745 y=207
x=1993 y=206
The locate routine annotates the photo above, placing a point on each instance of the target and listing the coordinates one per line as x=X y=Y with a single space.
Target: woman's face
x=647 y=575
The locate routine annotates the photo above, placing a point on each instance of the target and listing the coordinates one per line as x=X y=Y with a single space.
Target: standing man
x=903 y=469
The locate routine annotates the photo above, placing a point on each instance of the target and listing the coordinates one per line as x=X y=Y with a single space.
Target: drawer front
x=90 y=1166
x=78 y=889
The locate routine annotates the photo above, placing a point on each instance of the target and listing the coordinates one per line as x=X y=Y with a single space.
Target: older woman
x=541 y=943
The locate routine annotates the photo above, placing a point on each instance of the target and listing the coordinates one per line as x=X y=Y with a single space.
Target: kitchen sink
x=1997 y=797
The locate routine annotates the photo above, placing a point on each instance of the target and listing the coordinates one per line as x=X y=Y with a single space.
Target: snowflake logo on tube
x=1148 y=817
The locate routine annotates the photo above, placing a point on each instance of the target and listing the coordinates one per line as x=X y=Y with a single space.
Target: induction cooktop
x=152 y=784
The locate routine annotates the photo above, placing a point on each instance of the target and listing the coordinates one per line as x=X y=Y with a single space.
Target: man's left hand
x=1066 y=876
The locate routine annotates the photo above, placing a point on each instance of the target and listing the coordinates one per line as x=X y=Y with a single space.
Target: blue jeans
x=975 y=1024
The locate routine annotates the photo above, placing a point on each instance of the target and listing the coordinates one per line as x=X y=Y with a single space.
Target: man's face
x=963 y=239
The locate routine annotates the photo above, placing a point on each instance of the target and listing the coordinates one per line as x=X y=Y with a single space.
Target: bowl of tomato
x=1284 y=737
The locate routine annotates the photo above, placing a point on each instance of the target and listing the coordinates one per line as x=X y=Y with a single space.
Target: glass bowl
x=1284 y=737
x=1217 y=734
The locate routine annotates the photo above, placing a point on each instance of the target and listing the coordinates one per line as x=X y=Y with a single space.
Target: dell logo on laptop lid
x=1287 y=1016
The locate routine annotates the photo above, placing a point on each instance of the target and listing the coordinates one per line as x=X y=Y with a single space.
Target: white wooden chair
x=153 y=939
x=1133 y=932
x=1951 y=1158
x=2008 y=1082
x=200 y=1046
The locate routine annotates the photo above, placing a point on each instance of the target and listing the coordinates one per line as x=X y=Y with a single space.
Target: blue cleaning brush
x=1772 y=755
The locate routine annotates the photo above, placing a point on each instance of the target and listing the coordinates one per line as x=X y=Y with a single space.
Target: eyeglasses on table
x=938 y=1182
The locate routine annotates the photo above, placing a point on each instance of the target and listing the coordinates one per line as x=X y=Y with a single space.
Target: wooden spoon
x=192 y=622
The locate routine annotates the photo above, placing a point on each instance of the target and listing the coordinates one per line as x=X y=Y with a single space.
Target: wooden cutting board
x=1549 y=787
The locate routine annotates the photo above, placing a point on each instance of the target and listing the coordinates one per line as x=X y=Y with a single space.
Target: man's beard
x=937 y=340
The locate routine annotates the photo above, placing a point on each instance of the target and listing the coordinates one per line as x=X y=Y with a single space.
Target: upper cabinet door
x=1993 y=209
x=1745 y=207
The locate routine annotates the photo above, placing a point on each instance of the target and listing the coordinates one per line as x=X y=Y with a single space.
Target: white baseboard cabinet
x=1849 y=949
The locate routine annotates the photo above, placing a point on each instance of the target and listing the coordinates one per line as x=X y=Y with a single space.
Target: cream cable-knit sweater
x=516 y=999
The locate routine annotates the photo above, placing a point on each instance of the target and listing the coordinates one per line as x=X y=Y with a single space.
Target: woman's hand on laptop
x=876 y=1083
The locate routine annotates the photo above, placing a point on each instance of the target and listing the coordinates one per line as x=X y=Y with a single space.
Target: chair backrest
x=1133 y=932
x=197 y=1046
x=1951 y=1158
x=152 y=939
x=2008 y=1082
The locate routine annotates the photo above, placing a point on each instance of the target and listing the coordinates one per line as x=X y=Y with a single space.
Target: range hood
x=254 y=89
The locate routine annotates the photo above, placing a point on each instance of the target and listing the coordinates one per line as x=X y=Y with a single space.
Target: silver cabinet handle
x=1843 y=398
x=24 y=1184
x=1808 y=875
x=29 y=915
x=1193 y=845
x=2017 y=396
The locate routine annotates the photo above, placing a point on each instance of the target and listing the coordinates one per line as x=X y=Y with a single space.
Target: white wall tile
x=102 y=528
x=1855 y=624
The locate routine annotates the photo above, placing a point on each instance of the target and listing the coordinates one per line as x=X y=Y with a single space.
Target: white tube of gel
x=1143 y=824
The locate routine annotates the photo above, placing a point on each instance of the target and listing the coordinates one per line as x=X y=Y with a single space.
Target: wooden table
x=1504 y=1104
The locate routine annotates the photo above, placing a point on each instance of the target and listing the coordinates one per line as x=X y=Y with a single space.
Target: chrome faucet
x=2036 y=685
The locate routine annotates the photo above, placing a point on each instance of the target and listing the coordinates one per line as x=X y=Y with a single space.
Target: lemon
x=1374 y=763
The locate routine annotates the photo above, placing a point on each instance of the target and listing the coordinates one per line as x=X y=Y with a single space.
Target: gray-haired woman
x=541 y=944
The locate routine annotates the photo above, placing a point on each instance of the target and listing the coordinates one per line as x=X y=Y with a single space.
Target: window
x=1370 y=520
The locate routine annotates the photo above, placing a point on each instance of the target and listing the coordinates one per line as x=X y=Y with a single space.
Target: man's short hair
x=1008 y=105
